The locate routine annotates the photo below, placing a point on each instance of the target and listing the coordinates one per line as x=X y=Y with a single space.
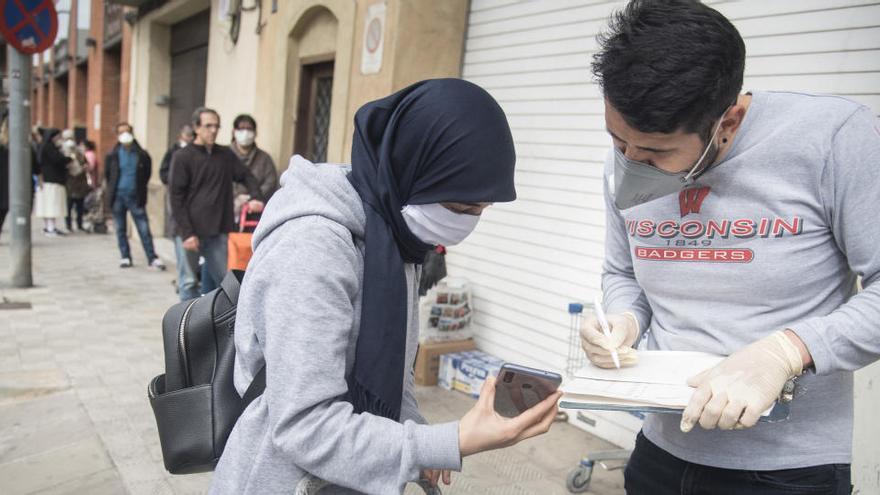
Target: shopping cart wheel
x=578 y=480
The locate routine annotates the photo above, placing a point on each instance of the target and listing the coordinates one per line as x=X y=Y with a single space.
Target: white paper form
x=642 y=393
x=658 y=367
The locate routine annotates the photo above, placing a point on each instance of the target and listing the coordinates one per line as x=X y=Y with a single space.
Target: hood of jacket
x=313 y=189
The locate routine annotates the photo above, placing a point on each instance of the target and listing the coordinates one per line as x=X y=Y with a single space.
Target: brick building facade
x=82 y=82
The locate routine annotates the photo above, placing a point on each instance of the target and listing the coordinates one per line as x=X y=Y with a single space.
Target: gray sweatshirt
x=299 y=313
x=788 y=222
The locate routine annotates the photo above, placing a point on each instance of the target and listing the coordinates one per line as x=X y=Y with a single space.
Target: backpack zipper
x=181 y=343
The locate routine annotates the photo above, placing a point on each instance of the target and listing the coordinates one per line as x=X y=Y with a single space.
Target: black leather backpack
x=195 y=402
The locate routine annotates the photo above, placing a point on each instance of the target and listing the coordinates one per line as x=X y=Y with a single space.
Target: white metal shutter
x=530 y=258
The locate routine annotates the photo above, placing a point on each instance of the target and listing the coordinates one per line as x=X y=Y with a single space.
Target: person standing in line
x=187 y=261
x=91 y=157
x=200 y=180
x=50 y=201
x=77 y=183
x=4 y=170
x=127 y=171
x=255 y=159
x=36 y=140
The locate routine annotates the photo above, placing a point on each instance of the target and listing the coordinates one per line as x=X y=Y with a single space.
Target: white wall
x=530 y=258
x=231 y=84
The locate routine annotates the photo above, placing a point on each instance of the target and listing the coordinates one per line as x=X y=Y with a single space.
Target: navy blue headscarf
x=442 y=140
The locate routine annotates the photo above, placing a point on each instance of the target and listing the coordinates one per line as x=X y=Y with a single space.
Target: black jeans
x=653 y=471
x=79 y=205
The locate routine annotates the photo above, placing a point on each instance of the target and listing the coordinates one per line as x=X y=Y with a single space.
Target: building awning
x=130 y=3
x=142 y=6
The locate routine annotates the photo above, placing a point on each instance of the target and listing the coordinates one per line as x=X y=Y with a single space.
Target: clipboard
x=778 y=413
x=657 y=384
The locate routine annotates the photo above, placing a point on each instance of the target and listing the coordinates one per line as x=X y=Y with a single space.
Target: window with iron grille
x=313 y=111
x=323 y=90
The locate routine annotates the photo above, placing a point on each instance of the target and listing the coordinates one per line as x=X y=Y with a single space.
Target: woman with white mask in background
x=77 y=183
x=244 y=134
x=329 y=303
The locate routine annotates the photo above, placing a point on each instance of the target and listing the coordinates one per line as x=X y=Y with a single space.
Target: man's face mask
x=126 y=138
x=434 y=224
x=636 y=182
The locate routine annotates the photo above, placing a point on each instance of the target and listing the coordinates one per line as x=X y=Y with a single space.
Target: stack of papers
x=658 y=383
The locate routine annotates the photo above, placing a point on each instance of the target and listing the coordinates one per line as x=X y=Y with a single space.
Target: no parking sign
x=28 y=25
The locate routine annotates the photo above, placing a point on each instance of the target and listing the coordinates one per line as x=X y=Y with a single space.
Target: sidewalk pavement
x=74 y=414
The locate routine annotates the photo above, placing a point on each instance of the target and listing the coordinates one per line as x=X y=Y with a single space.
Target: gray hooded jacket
x=299 y=312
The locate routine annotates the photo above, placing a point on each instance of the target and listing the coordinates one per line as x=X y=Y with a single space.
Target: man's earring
x=724 y=140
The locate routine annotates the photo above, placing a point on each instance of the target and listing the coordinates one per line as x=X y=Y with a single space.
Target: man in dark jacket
x=127 y=171
x=187 y=261
x=184 y=138
x=202 y=176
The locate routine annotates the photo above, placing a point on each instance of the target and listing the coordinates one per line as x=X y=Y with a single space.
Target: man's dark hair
x=669 y=65
x=124 y=124
x=90 y=145
x=244 y=118
x=197 y=115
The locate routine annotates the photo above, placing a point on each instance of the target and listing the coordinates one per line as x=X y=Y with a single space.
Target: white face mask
x=434 y=224
x=182 y=143
x=68 y=145
x=126 y=138
x=244 y=137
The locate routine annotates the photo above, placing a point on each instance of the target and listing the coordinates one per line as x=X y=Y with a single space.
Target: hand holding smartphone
x=519 y=388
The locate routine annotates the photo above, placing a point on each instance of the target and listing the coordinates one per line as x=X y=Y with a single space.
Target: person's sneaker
x=157 y=264
x=50 y=233
x=125 y=263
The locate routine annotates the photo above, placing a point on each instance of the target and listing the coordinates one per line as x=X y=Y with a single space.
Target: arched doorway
x=311 y=65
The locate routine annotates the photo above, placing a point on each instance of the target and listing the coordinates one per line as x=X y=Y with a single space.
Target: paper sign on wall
x=374 y=39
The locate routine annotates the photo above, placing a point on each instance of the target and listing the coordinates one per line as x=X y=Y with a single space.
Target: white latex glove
x=736 y=391
x=624 y=330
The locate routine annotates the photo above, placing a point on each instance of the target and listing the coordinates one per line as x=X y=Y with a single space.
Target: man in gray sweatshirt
x=737 y=224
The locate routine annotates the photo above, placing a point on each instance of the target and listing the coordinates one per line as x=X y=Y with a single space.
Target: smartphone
x=519 y=388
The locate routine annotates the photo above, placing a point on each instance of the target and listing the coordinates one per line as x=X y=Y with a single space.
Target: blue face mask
x=636 y=182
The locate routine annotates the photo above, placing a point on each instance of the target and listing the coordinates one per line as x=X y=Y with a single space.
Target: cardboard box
x=449 y=365
x=428 y=359
x=472 y=373
x=467 y=371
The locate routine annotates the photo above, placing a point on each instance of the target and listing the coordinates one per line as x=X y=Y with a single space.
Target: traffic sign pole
x=29 y=27
x=20 y=181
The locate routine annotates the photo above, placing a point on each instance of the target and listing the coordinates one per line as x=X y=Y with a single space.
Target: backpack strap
x=255 y=389
x=231 y=285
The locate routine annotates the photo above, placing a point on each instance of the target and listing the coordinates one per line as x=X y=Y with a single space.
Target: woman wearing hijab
x=329 y=303
x=50 y=202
